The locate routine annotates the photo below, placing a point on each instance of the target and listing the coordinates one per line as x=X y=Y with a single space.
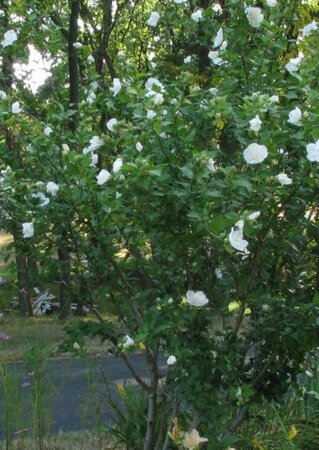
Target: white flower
x=219 y=38
x=128 y=342
x=103 y=177
x=171 y=360
x=295 y=117
x=158 y=99
x=239 y=393
x=187 y=59
x=111 y=124
x=15 y=108
x=211 y=165
x=43 y=199
x=95 y=143
x=138 y=146
x=255 y=153
x=219 y=273
x=150 y=114
x=271 y=3
x=29 y=148
x=117 y=86
x=90 y=99
x=117 y=165
x=65 y=148
x=9 y=37
x=274 y=99
x=150 y=93
x=121 y=54
x=94 y=160
x=47 y=131
x=94 y=86
x=283 y=179
x=52 y=188
x=308 y=29
x=150 y=83
x=213 y=91
x=217 y=8
x=196 y=298
x=3 y=95
x=77 y=45
x=90 y=59
x=254 y=215
x=254 y=16
x=223 y=46
x=255 y=124
x=192 y=440
x=197 y=16
x=153 y=19
x=214 y=57
x=236 y=237
x=313 y=152
x=27 y=229
x=293 y=65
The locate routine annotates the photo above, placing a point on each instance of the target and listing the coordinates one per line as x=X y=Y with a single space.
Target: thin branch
x=139 y=380
x=56 y=19
x=240 y=417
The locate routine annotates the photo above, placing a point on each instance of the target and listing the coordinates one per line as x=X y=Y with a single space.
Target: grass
x=83 y=440
x=292 y=424
x=48 y=330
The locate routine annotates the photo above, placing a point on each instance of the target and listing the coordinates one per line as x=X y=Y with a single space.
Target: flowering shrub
x=200 y=165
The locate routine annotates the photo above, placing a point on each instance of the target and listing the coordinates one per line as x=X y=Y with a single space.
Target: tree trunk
x=63 y=252
x=65 y=283
x=73 y=63
x=150 y=437
x=24 y=294
x=24 y=291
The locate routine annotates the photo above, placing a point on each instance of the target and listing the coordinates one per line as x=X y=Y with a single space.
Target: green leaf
x=314 y=394
x=156 y=172
x=219 y=224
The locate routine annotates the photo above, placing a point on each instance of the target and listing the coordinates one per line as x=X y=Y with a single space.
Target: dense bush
x=178 y=169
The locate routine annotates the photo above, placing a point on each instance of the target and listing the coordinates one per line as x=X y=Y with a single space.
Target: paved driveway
x=73 y=393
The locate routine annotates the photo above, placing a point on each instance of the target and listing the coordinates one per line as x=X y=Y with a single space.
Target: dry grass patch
x=5 y=239
x=83 y=440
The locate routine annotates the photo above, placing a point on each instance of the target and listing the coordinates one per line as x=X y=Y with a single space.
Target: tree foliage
x=146 y=131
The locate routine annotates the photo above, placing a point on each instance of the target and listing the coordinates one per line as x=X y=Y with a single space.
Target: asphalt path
x=68 y=395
